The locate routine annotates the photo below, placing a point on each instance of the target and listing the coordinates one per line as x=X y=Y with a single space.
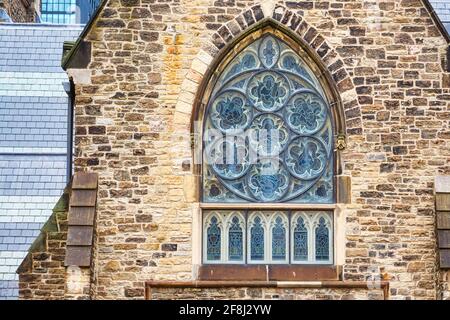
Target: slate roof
x=442 y=9
x=33 y=137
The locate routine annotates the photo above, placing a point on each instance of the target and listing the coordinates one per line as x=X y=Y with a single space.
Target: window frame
x=332 y=97
x=224 y=225
x=328 y=211
x=57 y=11
x=270 y=225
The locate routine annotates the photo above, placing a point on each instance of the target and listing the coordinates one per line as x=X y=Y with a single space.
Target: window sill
x=267 y=206
x=331 y=284
x=268 y=272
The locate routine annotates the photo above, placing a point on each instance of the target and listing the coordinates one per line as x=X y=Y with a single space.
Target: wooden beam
x=84 y=180
x=445 y=258
x=81 y=216
x=444 y=239
x=232 y=272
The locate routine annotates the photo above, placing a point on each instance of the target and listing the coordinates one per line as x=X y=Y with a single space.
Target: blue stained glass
x=306 y=158
x=230 y=158
x=213 y=239
x=247 y=62
x=267 y=87
x=300 y=241
x=257 y=240
x=268 y=91
x=269 y=53
x=278 y=240
x=322 y=241
x=268 y=180
x=230 y=111
x=235 y=241
x=290 y=62
x=306 y=113
x=271 y=135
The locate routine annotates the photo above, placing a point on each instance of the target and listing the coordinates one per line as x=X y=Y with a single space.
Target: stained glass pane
x=322 y=241
x=213 y=240
x=235 y=240
x=300 y=241
x=269 y=95
x=257 y=240
x=278 y=240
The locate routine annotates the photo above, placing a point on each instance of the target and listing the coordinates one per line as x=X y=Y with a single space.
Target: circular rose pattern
x=229 y=158
x=306 y=113
x=306 y=158
x=269 y=135
x=230 y=111
x=268 y=180
x=268 y=91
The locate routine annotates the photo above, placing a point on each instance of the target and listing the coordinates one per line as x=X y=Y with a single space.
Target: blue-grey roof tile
x=33 y=137
x=442 y=8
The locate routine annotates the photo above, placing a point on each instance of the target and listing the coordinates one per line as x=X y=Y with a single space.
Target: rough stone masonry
x=20 y=10
x=135 y=100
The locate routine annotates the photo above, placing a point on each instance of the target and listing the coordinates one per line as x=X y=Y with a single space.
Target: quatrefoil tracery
x=265 y=88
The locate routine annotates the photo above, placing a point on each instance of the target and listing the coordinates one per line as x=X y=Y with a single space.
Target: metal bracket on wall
x=341 y=144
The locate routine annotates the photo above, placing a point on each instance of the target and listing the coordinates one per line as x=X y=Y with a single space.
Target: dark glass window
x=58 y=11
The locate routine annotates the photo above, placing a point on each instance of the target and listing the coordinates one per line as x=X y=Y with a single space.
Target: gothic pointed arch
x=314 y=55
x=268 y=80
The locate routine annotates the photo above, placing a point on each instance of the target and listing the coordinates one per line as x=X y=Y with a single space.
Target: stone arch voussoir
x=248 y=21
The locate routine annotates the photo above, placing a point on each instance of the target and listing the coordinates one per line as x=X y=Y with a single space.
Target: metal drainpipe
x=447 y=63
x=70 y=90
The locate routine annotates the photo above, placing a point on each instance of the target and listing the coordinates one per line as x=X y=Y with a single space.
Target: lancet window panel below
x=267 y=237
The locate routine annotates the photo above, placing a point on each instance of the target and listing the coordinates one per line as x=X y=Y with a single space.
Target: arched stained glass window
x=278 y=240
x=257 y=243
x=300 y=239
x=268 y=134
x=322 y=241
x=213 y=240
x=267 y=138
x=235 y=240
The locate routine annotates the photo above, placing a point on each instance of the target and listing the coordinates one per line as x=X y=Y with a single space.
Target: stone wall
x=445 y=285
x=266 y=294
x=133 y=112
x=442 y=194
x=42 y=274
x=20 y=10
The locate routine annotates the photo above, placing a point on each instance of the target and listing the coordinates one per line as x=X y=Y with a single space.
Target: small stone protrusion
x=340 y=142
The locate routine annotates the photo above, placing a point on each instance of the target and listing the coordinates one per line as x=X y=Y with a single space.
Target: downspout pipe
x=69 y=87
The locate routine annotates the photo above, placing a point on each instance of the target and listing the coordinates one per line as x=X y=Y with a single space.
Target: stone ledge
x=442 y=184
x=151 y=285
